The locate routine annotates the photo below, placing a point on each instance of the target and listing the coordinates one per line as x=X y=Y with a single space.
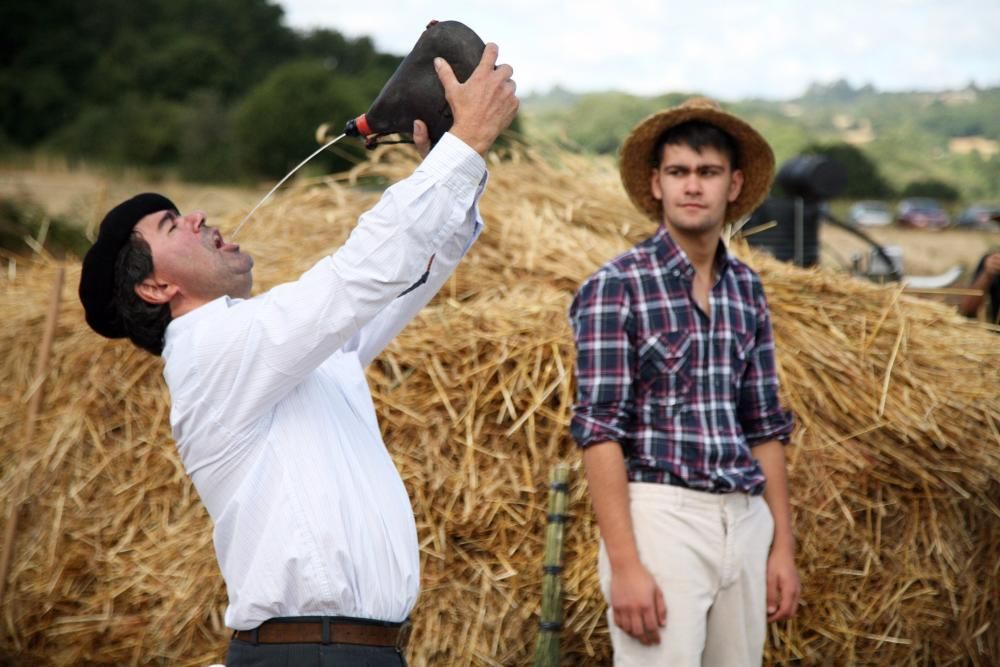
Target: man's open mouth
x=220 y=244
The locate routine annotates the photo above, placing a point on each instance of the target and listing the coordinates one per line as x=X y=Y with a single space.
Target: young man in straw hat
x=677 y=406
x=314 y=532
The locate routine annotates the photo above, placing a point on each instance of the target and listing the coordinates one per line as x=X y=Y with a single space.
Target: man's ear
x=154 y=292
x=654 y=184
x=735 y=185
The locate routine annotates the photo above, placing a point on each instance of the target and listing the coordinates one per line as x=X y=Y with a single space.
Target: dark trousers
x=245 y=654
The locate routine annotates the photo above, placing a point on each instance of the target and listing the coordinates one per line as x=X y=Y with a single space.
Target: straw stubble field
x=893 y=466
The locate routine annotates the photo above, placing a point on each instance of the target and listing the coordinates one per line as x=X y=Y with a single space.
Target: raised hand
x=485 y=104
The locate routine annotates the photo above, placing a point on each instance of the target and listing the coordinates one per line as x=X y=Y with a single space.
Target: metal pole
x=800 y=214
x=547 y=647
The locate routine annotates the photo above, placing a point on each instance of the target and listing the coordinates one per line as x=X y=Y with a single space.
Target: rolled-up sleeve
x=760 y=412
x=601 y=318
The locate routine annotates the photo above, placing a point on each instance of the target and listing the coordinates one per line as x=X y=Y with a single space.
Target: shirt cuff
x=589 y=430
x=455 y=163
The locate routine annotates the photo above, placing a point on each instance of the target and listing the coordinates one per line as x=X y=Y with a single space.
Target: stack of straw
x=893 y=467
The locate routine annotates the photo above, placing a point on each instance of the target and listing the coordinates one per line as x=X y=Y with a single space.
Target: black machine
x=807 y=182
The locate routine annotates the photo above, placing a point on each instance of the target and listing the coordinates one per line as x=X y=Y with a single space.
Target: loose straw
x=897 y=516
x=17 y=498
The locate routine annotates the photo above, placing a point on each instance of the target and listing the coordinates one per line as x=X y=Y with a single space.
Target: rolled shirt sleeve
x=759 y=410
x=601 y=317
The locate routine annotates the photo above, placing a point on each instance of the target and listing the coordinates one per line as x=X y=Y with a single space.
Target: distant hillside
x=949 y=136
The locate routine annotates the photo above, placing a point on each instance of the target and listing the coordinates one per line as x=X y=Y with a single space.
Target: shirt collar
x=178 y=326
x=674 y=260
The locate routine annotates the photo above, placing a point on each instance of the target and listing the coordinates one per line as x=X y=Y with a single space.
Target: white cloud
x=728 y=49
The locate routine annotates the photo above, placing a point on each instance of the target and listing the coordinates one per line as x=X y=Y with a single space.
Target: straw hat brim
x=755 y=156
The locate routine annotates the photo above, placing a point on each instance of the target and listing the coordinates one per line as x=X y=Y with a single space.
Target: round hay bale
x=893 y=465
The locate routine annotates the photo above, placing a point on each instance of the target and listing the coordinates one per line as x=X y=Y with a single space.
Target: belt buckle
x=403 y=636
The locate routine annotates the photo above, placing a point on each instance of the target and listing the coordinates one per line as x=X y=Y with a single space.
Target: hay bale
x=893 y=467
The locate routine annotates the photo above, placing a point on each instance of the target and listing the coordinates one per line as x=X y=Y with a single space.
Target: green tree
x=933 y=188
x=136 y=130
x=863 y=176
x=61 y=58
x=42 y=61
x=156 y=82
x=206 y=141
x=275 y=125
x=599 y=122
x=251 y=32
x=352 y=57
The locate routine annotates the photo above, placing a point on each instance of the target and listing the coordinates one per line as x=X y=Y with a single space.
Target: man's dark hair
x=145 y=323
x=697 y=135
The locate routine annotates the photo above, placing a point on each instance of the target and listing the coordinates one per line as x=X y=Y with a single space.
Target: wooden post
x=34 y=404
x=547 y=647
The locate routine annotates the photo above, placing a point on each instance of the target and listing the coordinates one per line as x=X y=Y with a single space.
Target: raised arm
x=483 y=107
x=262 y=348
x=379 y=332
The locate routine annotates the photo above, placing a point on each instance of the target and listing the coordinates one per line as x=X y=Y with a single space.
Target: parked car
x=870 y=213
x=980 y=216
x=921 y=213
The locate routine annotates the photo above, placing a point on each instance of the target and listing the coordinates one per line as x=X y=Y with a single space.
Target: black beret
x=97 y=278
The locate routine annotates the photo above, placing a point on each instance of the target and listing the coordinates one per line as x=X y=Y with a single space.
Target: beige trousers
x=708 y=553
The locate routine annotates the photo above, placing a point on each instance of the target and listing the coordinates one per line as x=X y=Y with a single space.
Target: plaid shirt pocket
x=665 y=370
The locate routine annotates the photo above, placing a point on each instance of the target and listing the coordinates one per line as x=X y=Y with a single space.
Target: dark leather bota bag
x=414 y=91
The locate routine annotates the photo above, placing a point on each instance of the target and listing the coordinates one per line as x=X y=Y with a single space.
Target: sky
x=728 y=49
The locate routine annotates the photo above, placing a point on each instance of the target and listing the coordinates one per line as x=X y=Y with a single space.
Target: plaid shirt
x=685 y=396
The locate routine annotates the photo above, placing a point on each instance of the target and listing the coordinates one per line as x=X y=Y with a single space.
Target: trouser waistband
x=328 y=630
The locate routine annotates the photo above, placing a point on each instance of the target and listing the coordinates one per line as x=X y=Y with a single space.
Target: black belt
x=328 y=630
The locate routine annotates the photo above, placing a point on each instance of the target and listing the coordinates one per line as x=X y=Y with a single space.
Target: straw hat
x=756 y=159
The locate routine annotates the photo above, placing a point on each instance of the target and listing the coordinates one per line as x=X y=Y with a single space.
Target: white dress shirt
x=275 y=423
